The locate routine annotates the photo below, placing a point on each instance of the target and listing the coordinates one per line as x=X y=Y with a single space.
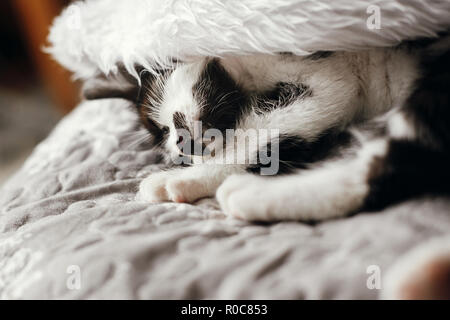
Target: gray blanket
x=70 y=228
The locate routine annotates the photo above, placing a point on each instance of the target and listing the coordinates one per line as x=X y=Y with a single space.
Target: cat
x=354 y=130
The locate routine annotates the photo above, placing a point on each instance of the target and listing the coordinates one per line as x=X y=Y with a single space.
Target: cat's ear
x=119 y=85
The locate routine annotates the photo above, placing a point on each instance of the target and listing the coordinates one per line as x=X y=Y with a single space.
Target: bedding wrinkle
x=85 y=214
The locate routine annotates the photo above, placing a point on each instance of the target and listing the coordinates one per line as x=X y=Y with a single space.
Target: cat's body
x=350 y=136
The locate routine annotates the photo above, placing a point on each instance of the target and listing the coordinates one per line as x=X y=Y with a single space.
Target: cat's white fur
x=347 y=88
x=322 y=193
x=177 y=97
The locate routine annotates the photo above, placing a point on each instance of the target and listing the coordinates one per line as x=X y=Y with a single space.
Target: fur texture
x=401 y=154
x=95 y=36
x=311 y=101
x=334 y=90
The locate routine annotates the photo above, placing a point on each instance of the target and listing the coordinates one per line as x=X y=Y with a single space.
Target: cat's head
x=178 y=106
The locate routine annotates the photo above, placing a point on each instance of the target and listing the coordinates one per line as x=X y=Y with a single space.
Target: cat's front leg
x=185 y=184
x=332 y=190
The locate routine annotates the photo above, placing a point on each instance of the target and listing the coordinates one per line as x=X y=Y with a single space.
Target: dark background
x=35 y=92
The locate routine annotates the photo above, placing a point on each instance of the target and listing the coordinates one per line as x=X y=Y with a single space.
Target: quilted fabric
x=70 y=212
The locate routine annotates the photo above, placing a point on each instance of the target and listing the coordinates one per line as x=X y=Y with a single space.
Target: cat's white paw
x=312 y=196
x=153 y=188
x=186 y=189
x=173 y=185
x=246 y=197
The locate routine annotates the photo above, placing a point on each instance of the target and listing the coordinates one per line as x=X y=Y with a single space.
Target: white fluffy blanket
x=95 y=35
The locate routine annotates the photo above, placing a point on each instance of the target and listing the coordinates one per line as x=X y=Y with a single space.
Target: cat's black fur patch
x=421 y=166
x=296 y=153
x=283 y=95
x=429 y=105
x=124 y=85
x=179 y=121
x=408 y=170
x=115 y=85
x=285 y=53
x=318 y=55
x=150 y=92
x=221 y=97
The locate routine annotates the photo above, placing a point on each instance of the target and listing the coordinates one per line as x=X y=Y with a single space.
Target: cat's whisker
x=138 y=142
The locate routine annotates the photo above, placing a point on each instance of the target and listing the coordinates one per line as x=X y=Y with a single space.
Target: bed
x=71 y=208
x=70 y=227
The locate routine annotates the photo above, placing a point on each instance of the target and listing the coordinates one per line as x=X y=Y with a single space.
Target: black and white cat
x=354 y=130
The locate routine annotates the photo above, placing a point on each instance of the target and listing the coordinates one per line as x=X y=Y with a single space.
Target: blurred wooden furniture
x=35 y=18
